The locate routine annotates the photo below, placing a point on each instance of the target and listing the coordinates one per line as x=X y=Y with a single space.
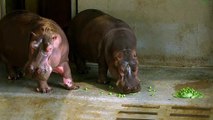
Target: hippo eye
x=54 y=37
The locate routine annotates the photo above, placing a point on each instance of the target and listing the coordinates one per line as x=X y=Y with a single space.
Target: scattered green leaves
x=86 y=89
x=110 y=93
x=121 y=95
x=188 y=93
x=151 y=90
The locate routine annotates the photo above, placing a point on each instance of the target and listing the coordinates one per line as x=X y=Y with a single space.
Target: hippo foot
x=43 y=87
x=15 y=76
x=73 y=87
x=68 y=87
x=68 y=84
x=46 y=89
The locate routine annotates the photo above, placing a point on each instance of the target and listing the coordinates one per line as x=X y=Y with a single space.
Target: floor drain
x=190 y=112
x=163 y=112
x=138 y=112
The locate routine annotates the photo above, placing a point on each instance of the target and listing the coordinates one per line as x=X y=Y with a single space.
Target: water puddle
x=200 y=84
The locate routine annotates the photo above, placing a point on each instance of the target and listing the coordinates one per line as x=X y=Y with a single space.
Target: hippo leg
x=13 y=73
x=65 y=72
x=42 y=75
x=102 y=70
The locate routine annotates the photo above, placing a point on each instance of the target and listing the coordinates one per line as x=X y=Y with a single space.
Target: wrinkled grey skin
x=100 y=38
x=37 y=45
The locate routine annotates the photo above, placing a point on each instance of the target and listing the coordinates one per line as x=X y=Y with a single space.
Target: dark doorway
x=12 y=5
x=57 y=10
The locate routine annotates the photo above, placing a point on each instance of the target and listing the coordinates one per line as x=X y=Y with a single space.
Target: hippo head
x=125 y=68
x=40 y=49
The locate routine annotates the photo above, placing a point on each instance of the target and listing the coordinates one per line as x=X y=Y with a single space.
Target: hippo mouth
x=39 y=67
x=45 y=54
x=43 y=69
x=128 y=82
x=128 y=87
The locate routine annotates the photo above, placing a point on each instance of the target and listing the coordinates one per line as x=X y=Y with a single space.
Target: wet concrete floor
x=93 y=101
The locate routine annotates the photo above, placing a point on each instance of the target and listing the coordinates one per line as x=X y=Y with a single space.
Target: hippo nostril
x=48 y=49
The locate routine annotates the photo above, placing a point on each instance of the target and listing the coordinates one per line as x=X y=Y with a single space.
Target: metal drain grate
x=163 y=112
x=138 y=112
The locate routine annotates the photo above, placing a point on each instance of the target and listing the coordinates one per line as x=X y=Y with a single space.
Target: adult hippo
x=36 y=44
x=100 y=38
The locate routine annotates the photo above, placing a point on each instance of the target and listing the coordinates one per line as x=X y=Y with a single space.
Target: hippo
x=35 y=47
x=97 y=37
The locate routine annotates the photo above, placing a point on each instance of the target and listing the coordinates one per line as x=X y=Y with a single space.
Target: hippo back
x=93 y=26
x=14 y=31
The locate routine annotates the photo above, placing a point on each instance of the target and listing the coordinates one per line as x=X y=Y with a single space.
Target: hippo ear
x=33 y=34
x=119 y=56
x=134 y=54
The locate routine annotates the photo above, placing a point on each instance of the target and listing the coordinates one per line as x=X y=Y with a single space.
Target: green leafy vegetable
x=86 y=89
x=188 y=93
x=110 y=93
x=151 y=90
x=121 y=95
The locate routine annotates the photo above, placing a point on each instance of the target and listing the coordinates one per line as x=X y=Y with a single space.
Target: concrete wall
x=2 y=8
x=169 y=32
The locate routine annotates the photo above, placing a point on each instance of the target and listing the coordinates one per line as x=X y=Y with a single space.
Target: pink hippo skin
x=100 y=38
x=36 y=44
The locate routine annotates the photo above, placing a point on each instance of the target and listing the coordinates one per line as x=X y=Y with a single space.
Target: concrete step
x=93 y=101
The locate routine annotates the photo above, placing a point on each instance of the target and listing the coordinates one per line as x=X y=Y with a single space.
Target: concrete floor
x=19 y=101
